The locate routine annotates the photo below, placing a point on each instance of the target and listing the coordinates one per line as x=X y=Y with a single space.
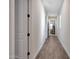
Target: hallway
x=29 y=29
x=52 y=49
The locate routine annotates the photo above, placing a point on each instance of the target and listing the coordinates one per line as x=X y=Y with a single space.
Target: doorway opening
x=51 y=25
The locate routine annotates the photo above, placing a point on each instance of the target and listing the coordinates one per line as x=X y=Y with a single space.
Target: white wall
x=46 y=26
x=63 y=27
x=37 y=27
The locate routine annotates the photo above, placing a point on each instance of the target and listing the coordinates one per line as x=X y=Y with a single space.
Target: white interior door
x=18 y=29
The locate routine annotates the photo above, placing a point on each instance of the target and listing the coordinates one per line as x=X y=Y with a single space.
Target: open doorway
x=51 y=25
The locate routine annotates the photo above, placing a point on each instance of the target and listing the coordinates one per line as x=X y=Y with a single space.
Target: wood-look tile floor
x=52 y=49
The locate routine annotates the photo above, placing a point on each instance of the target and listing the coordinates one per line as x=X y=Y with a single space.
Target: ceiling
x=52 y=6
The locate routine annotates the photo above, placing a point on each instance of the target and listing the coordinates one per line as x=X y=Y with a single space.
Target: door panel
x=20 y=29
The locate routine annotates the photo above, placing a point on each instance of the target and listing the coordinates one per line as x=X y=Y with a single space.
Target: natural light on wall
x=60 y=22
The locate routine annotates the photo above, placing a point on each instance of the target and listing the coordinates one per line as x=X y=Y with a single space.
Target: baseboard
x=39 y=49
x=64 y=47
x=65 y=50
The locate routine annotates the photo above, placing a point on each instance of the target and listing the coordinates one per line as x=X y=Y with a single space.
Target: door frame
x=11 y=29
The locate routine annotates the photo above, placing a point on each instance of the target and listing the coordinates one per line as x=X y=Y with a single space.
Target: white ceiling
x=52 y=6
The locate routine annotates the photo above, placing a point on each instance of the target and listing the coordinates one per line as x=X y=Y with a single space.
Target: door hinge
x=28 y=15
x=28 y=53
x=28 y=34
